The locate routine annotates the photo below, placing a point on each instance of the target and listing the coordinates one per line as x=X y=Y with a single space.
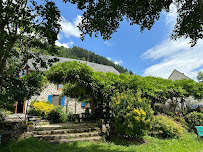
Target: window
x=56 y=100
x=59 y=86
x=23 y=72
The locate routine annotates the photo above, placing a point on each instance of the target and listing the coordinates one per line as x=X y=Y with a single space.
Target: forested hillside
x=82 y=54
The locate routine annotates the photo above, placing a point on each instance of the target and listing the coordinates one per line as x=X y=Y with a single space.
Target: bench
x=199 y=130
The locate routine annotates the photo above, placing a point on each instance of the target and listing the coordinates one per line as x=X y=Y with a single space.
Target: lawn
x=188 y=144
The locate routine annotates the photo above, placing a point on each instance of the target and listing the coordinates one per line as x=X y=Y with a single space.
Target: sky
x=151 y=52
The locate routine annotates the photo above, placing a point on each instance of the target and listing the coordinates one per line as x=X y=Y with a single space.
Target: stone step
x=33 y=116
x=90 y=139
x=35 y=119
x=65 y=131
x=40 y=123
x=66 y=126
x=66 y=136
x=14 y=118
x=44 y=123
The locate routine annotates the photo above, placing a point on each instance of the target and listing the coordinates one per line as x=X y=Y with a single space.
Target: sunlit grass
x=189 y=143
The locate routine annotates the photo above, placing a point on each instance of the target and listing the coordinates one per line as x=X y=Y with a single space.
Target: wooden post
x=93 y=105
x=75 y=105
x=16 y=105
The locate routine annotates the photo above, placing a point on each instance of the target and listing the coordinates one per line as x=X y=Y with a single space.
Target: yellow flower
x=43 y=107
x=137 y=112
x=142 y=112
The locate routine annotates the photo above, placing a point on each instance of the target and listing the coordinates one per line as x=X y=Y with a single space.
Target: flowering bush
x=194 y=119
x=167 y=127
x=132 y=115
x=54 y=113
x=41 y=108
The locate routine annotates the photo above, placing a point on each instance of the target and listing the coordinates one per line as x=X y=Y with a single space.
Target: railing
x=83 y=117
x=35 y=122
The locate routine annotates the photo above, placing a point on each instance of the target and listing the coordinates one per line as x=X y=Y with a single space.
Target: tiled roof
x=94 y=66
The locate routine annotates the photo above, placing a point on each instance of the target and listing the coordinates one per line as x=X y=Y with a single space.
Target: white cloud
x=70 y=29
x=118 y=62
x=109 y=58
x=59 y=36
x=167 y=48
x=66 y=45
x=171 y=16
x=115 y=61
x=183 y=58
x=172 y=54
x=107 y=43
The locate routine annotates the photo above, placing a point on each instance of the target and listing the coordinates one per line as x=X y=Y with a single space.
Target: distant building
x=193 y=103
x=176 y=75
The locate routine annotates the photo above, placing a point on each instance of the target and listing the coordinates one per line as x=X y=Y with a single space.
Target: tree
x=26 y=29
x=103 y=86
x=200 y=76
x=104 y=16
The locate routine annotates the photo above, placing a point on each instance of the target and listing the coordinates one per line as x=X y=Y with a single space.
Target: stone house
x=52 y=92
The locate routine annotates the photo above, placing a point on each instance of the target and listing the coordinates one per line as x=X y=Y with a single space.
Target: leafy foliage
x=17 y=89
x=194 y=119
x=103 y=86
x=132 y=115
x=128 y=96
x=58 y=114
x=49 y=111
x=41 y=108
x=167 y=127
x=189 y=20
x=105 y=16
x=27 y=27
x=200 y=76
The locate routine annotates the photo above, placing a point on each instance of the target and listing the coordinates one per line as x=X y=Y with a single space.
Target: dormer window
x=23 y=72
x=59 y=86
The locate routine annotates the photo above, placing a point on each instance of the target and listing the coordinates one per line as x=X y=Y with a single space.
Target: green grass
x=188 y=144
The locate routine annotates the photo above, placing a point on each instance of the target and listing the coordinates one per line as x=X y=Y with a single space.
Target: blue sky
x=147 y=53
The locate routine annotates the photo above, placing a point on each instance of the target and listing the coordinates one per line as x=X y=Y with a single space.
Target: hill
x=83 y=54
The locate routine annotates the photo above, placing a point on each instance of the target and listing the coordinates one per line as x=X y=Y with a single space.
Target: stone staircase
x=15 y=118
x=68 y=132
x=57 y=133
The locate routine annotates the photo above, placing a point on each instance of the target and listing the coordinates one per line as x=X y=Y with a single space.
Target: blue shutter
x=83 y=104
x=63 y=101
x=50 y=98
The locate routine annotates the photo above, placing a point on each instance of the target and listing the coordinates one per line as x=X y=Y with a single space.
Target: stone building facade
x=52 y=92
x=70 y=104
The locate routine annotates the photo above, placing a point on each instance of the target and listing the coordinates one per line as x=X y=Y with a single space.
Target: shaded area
x=33 y=145
x=127 y=141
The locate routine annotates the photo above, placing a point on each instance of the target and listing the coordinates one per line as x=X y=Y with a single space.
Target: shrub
x=58 y=114
x=132 y=115
x=194 y=119
x=41 y=108
x=167 y=127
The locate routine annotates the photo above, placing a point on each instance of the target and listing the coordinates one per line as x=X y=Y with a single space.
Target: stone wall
x=51 y=89
x=72 y=103
x=11 y=130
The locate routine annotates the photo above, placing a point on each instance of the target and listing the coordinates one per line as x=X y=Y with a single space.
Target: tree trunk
x=93 y=105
